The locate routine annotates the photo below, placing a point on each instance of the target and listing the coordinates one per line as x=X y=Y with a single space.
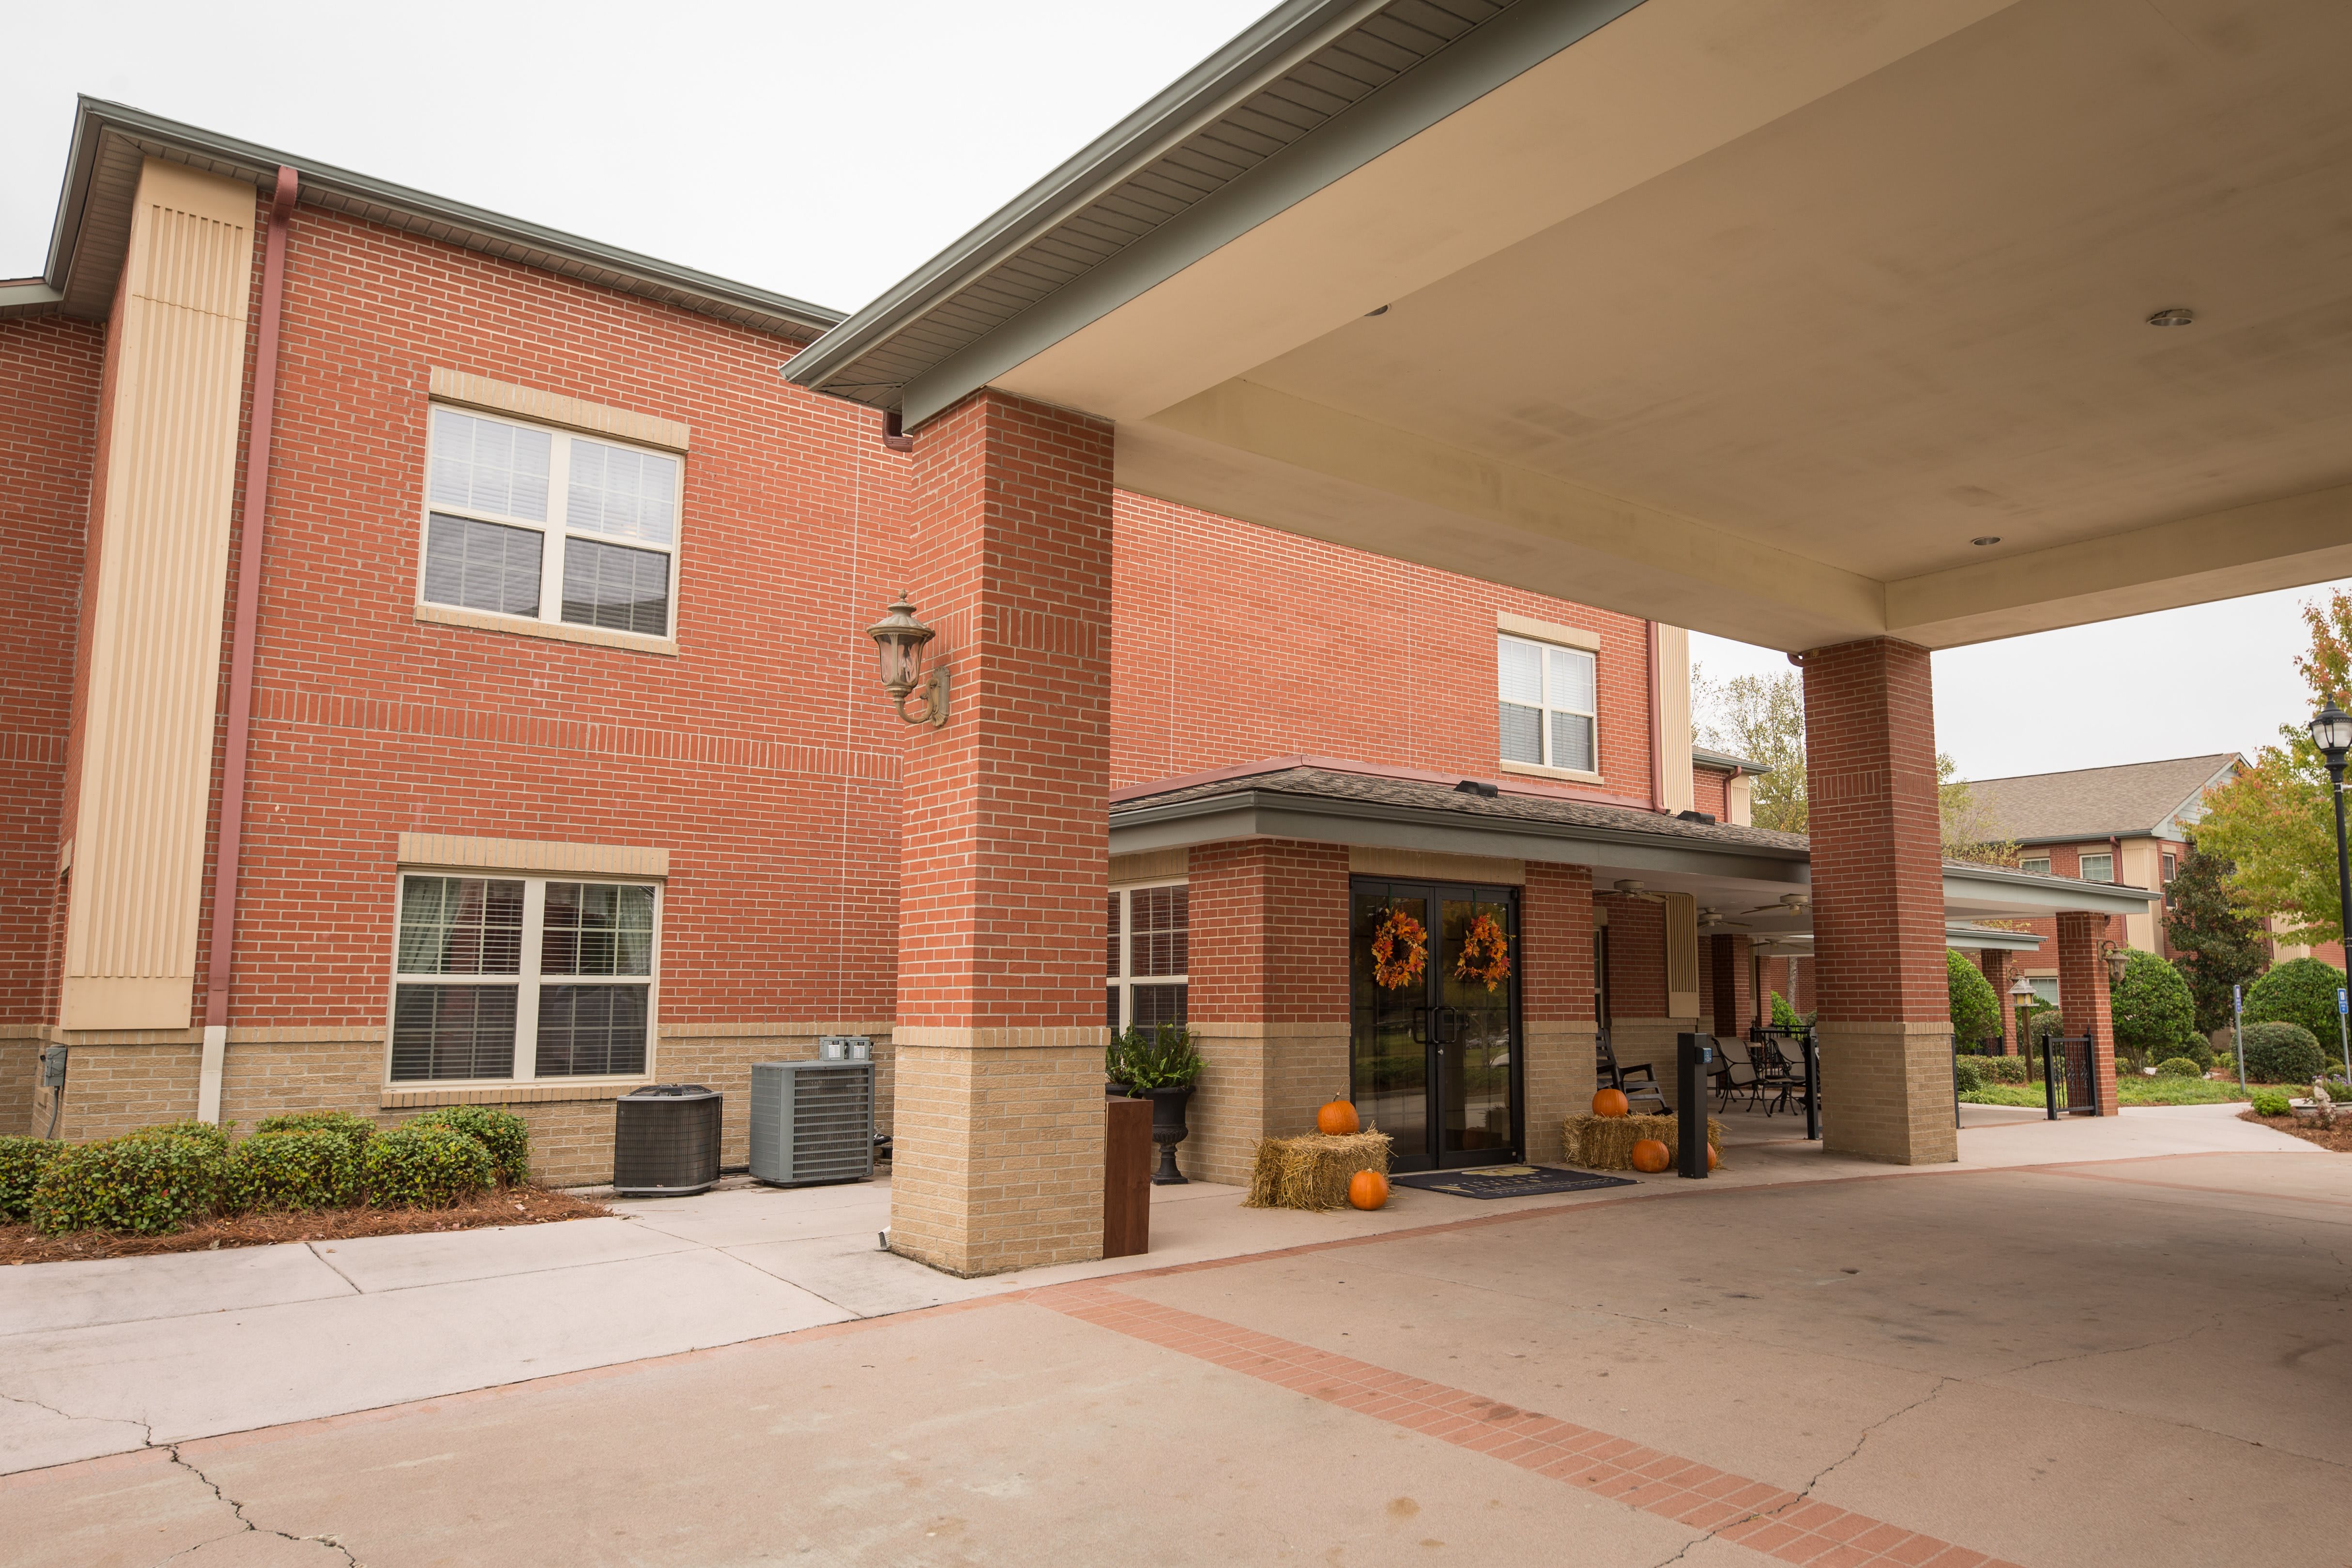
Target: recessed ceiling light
x=1381 y=312
x=2177 y=316
x=1982 y=539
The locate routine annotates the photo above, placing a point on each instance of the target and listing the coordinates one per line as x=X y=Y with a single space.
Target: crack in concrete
x=237 y=1511
x=1806 y=1492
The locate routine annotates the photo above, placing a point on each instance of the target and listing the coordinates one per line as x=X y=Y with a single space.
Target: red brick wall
x=1637 y=955
x=1731 y=1000
x=1878 y=871
x=1004 y=870
x=1237 y=643
x=763 y=756
x=1711 y=792
x=1556 y=943
x=1270 y=921
x=49 y=376
x=2083 y=996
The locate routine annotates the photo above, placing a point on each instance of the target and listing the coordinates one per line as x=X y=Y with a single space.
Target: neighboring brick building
x=553 y=761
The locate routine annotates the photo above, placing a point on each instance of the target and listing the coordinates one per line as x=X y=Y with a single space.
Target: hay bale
x=1606 y=1142
x=1312 y=1172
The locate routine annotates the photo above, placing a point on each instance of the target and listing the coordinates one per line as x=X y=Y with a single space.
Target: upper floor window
x=1545 y=707
x=1147 y=956
x=2099 y=868
x=521 y=977
x=2034 y=866
x=547 y=526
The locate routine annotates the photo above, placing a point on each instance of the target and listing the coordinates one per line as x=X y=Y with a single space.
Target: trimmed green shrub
x=2153 y=1008
x=2005 y=1069
x=2270 y=1103
x=502 y=1133
x=318 y=1168
x=149 y=1183
x=211 y=1134
x=2178 y=1067
x=2303 y=992
x=1967 y=1072
x=2281 y=1053
x=1975 y=1005
x=424 y=1167
x=354 y=1130
x=22 y=1161
x=1785 y=1016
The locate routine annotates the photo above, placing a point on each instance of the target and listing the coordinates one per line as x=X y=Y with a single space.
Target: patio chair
x=1738 y=1076
x=1637 y=1083
x=1788 y=1077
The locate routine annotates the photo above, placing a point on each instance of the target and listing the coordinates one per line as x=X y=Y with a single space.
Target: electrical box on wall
x=845 y=1048
x=53 y=1067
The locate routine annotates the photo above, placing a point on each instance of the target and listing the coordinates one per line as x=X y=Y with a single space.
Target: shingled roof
x=2137 y=798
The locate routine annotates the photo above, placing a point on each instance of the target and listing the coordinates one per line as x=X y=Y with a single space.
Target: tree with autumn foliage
x=2275 y=821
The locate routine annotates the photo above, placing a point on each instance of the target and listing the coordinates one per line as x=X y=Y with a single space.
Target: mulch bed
x=2339 y=1140
x=504 y=1205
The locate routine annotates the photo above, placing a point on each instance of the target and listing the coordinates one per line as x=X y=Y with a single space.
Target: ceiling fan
x=1709 y=917
x=1635 y=890
x=1791 y=904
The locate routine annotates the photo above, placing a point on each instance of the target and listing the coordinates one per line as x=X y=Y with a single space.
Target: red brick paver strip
x=1753 y=1514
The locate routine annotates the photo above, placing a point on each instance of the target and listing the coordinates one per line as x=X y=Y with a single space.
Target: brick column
x=2083 y=996
x=1994 y=962
x=1556 y=1002
x=1734 y=989
x=1878 y=902
x=1005 y=844
x=1268 y=1001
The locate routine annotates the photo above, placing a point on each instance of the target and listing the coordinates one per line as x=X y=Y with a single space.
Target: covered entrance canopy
x=1745 y=315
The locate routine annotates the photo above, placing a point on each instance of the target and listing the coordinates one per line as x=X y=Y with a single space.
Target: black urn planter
x=1168 y=1129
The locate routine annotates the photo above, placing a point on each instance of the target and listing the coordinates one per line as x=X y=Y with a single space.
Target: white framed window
x=511 y=978
x=2034 y=866
x=1546 y=707
x=1147 y=955
x=2098 y=867
x=545 y=526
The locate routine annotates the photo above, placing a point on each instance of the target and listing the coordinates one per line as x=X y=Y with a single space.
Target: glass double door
x=1433 y=1057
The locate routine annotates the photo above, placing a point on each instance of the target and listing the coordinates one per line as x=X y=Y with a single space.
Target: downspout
x=229 y=856
x=1657 y=723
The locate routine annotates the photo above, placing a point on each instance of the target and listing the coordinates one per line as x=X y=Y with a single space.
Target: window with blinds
x=1147 y=956
x=515 y=979
x=543 y=525
x=1546 y=707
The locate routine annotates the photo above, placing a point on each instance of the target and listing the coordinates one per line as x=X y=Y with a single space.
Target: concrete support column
x=1878 y=902
x=1555 y=962
x=1005 y=845
x=1734 y=989
x=1994 y=962
x=2083 y=996
x=1269 y=996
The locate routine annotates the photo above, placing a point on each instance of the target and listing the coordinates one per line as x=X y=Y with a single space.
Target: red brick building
x=442 y=679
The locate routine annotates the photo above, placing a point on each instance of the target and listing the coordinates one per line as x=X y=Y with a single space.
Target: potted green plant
x=1162 y=1064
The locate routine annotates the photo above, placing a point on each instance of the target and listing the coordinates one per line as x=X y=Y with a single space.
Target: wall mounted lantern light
x=900 y=638
x=2115 y=958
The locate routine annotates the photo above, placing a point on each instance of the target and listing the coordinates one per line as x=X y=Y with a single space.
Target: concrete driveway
x=2135 y=1360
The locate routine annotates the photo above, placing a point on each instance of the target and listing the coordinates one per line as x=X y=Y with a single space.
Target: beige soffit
x=177 y=380
x=549 y=408
x=531 y=855
x=1365 y=860
x=1547 y=632
x=1151 y=865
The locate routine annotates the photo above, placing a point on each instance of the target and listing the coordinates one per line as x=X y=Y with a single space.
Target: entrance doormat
x=1507 y=1181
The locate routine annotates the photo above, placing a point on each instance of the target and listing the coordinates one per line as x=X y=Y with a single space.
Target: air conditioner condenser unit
x=812 y=1121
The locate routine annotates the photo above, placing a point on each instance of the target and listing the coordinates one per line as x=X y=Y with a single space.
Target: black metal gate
x=2070 y=1075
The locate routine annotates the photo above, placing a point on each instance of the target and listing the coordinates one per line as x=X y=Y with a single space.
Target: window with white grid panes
x=2098 y=867
x=1147 y=955
x=513 y=978
x=547 y=526
x=1545 y=704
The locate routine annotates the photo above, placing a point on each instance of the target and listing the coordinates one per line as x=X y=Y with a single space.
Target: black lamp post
x=2331 y=731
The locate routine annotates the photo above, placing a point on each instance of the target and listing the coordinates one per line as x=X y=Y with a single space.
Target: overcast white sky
x=825 y=150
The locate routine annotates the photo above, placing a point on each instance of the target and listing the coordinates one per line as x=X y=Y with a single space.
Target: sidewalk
x=104 y=1357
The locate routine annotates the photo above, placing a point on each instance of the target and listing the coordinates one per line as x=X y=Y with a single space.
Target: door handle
x=1421 y=1026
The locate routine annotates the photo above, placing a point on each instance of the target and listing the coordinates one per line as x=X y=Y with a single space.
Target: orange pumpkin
x=1652 y=1156
x=1368 y=1189
x=1337 y=1119
x=1611 y=1102
x=1712 y=1157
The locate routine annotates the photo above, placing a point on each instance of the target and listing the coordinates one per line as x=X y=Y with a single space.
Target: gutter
x=254 y=519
